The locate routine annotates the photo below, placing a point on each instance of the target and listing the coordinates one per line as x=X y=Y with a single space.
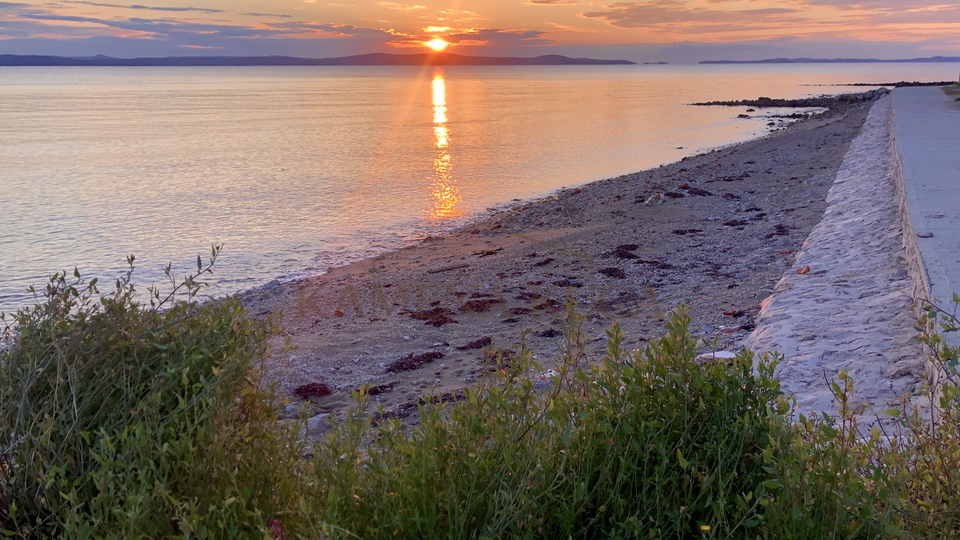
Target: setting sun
x=436 y=44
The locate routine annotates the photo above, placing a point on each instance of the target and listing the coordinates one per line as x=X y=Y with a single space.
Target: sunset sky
x=651 y=30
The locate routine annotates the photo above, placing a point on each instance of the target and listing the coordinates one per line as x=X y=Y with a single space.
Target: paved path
x=927 y=129
x=851 y=309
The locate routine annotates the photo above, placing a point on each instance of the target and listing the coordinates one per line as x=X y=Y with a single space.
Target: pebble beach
x=715 y=232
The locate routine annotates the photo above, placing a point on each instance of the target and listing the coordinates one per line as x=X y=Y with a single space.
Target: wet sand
x=715 y=232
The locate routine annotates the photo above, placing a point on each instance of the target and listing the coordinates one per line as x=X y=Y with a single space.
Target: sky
x=676 y=31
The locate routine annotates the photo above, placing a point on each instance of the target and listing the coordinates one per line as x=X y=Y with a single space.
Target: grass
x=952 y=91
x=124 y=420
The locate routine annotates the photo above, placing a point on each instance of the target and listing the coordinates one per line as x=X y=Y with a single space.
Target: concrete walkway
x=927 y=131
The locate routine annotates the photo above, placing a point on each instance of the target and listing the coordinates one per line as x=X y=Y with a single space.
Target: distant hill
x=833 y=60
x=375 y=59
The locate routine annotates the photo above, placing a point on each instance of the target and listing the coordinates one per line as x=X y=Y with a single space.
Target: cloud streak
x=149 y=8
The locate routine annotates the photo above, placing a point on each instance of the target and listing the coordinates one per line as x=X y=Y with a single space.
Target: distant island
x=375 y=59
x=833 y=60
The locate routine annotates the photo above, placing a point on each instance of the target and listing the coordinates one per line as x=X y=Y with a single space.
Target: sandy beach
x=715 y=232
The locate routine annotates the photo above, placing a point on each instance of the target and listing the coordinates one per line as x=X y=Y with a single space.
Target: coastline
x=720 y=231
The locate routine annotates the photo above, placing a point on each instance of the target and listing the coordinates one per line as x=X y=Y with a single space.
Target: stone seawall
x=847 y=303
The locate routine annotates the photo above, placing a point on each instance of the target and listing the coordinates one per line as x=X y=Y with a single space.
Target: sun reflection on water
x=446 y=195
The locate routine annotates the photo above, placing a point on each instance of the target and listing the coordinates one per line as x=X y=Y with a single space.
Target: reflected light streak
x=446 y=195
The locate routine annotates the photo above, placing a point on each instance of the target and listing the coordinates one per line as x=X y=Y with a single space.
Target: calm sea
x=297 y=169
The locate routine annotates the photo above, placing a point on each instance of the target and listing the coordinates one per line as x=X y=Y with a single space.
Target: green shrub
x=649 y=445
x=119 y=420
x=125 y=420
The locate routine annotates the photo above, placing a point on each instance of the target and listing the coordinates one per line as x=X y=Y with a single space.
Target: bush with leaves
x=127 y=420
x=119 y=420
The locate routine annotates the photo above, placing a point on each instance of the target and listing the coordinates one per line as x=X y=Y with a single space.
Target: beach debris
x=405 y=409
x=567 y=283
x=625 y=251
x=481 y=305
x=717 y=356
x=310 y=390
x=779 y=230
x=414 y=361
x=613 y=272
x=659 y=265
x=438 y=316
x=733 y=313
x=477 y=344
x=695 y=190
x=448 y=268
x=804 y=270
x=380 y=388
x=487 y=253
x=654 y=200
x=549 y=305
x=503 y=358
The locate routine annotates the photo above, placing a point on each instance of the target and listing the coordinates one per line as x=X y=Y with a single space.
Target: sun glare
x=437 y=44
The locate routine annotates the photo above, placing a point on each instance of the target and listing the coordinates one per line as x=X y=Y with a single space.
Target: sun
x=436 y=44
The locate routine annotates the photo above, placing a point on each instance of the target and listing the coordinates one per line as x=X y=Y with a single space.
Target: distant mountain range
x=832 y=60
x=375 y=59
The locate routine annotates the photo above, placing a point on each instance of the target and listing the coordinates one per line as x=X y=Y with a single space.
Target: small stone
x=804 y=270
x=272 y=285
x=925 y=234
x=317 y=425
x=709 y=328
x=415 y=257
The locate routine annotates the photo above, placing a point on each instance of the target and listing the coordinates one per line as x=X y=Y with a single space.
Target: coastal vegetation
x=125 y=419
x=952 y=90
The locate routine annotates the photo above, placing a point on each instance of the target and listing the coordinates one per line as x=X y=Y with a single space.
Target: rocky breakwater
x=820 y=101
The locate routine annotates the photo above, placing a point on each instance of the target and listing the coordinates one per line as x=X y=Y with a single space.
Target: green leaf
x=199 y=264
x=683 y=463
x=771 y=484
x=829 y=431
x=893 y=412
x=76 y=272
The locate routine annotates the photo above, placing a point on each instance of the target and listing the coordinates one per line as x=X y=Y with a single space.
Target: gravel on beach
x=715 y=232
